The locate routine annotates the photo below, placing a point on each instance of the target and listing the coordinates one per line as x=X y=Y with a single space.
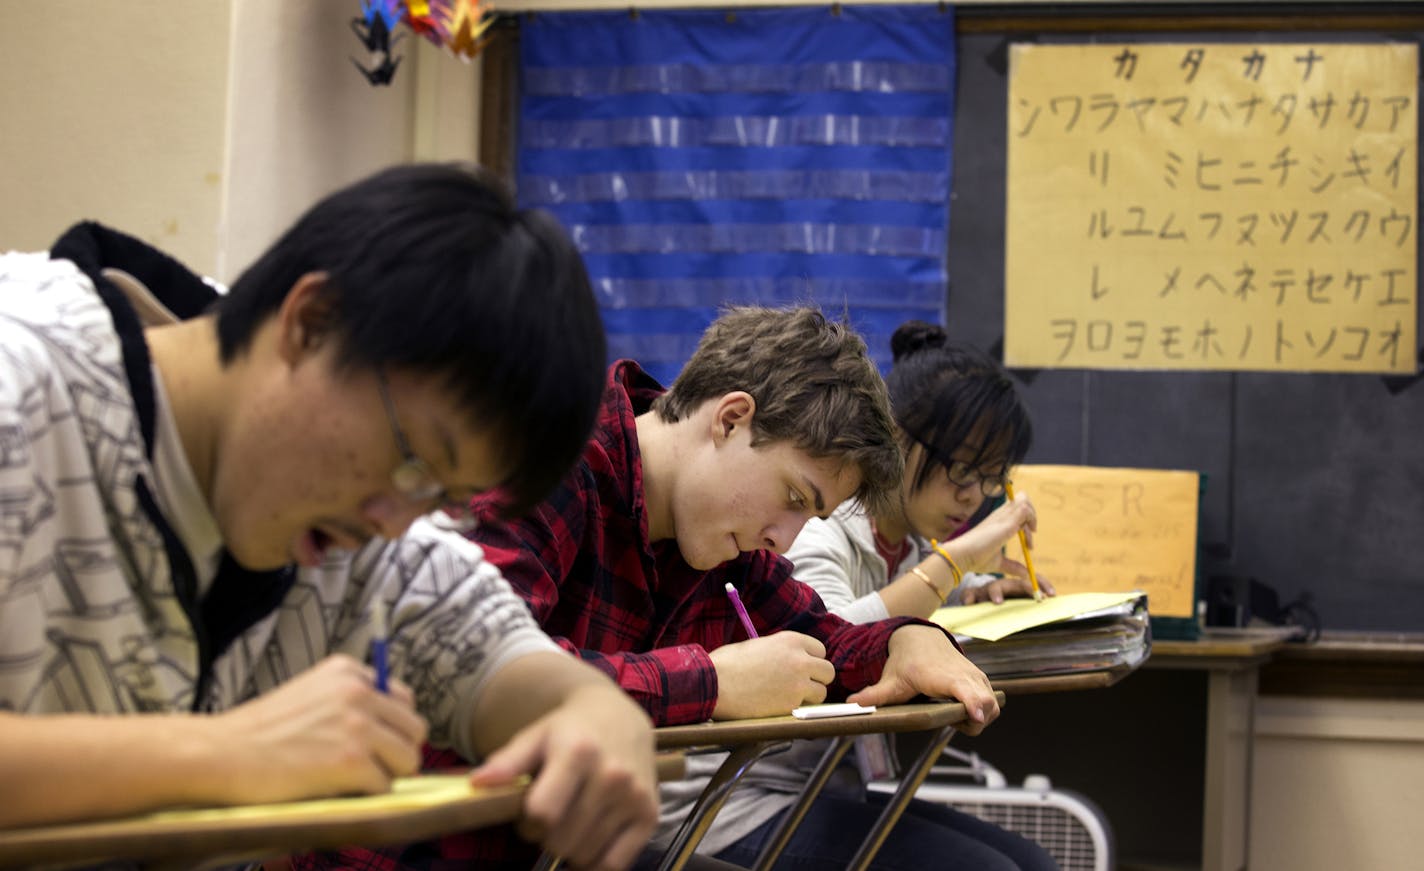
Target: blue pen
x=741 y=610
x=378 y=647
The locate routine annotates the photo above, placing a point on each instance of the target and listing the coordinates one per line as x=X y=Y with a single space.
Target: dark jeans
x=653 y=857
x=927 y=836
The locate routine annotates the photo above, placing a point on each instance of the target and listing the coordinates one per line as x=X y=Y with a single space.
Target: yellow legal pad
x=407 y=793
x=990 y=622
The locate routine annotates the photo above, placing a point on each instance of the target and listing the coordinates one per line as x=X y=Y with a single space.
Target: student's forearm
x=328 y=731
x=673 y=685
x=911 y=595
x=81 y=766
x=527 y=689
x=588 y=748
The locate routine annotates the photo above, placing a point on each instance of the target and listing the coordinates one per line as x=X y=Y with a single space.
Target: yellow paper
x=1212 y=207
x=1114 y=530
x=990 y=622
x=407 y=793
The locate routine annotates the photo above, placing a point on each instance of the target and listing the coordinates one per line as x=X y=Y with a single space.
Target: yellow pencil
x=1023 y=541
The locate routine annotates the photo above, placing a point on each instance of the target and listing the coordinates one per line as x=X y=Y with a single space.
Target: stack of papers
x=1069 y=634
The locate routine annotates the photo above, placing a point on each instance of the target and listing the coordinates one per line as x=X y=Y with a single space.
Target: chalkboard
x=1315 y=483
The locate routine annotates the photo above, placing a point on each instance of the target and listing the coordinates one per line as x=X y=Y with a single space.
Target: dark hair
x=813 y=383
x=943 y=395
x=432 y=268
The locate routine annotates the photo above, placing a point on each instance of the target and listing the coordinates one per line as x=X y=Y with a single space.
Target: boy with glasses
x=204 y=502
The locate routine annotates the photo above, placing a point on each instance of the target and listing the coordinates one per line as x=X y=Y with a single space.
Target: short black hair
x=434 y=269
x=942 y=395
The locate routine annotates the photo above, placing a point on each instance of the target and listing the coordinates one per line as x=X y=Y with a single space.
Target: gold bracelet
x=953 y=569
x=920 y=573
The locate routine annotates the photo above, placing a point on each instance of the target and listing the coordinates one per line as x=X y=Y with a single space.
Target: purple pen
x=741 y=610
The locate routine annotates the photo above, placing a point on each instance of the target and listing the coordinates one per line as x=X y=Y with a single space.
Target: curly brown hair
x=813 y=383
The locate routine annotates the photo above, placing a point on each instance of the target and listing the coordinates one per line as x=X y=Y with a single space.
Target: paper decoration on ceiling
x=458 y=26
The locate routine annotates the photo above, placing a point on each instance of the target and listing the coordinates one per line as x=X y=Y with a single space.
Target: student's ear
x=733 y=410
x=305 y=318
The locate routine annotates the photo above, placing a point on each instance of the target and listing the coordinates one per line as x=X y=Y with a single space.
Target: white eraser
x=841 y=709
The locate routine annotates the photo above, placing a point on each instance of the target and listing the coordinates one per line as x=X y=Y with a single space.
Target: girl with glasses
x=963 y=429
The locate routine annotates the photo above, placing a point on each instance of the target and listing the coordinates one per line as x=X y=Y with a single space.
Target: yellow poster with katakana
x=1212 y=207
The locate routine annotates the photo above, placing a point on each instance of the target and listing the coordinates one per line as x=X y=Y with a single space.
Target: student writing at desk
x=779 y=416
x=962 y=428
x=202 y=515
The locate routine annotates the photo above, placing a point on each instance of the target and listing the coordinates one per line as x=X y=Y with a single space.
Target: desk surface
x=1210 y=652
x=1063 y=683
x=886 y=718
x=191 y=838
x=1396 y=647
x=199 y=836
x=1349 y=665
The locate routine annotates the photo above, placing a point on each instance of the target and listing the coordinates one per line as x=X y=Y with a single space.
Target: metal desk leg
x=829 y=760
x=692 y=830
x=908 y=785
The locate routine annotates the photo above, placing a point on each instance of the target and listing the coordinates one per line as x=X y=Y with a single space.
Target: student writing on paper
x=962 y=426
x=778 y=417
x=203 y=512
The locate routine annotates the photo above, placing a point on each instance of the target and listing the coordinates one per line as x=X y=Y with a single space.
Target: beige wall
x=115 y=111
x=205 y=126
x=301 y=121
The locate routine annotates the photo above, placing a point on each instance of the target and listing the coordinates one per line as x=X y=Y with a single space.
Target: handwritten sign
x=1115 y=530
x=1212 y=207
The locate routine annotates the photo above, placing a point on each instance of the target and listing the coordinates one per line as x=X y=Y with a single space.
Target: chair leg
x=692 y=830
x=891 y=814
x=829 y=760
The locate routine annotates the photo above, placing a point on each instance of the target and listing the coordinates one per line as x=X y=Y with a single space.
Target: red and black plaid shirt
x=634 y=608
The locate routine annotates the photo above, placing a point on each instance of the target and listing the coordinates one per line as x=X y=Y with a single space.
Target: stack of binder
x=1068 y=634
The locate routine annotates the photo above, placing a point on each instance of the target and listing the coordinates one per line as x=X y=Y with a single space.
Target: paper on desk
x=407 y=793
x=831 y=709
x=990 y=622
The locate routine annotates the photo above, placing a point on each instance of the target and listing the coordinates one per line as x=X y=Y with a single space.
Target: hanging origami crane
x=378 y=19
x=459 y=26
x=466 y=26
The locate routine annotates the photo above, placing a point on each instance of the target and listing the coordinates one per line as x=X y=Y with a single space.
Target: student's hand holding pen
x=770 y=675
x=980 y=550
x=328 y=731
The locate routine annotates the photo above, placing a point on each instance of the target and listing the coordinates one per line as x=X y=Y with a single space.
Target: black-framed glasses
x=413 y=478
x=966 y=476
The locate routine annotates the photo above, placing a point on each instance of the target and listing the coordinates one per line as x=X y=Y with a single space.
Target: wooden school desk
x=204 y=838
x=1063 y=683
x=749 y=740
x=1164 y=751
x=1233 y=667
x=1339 y=724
